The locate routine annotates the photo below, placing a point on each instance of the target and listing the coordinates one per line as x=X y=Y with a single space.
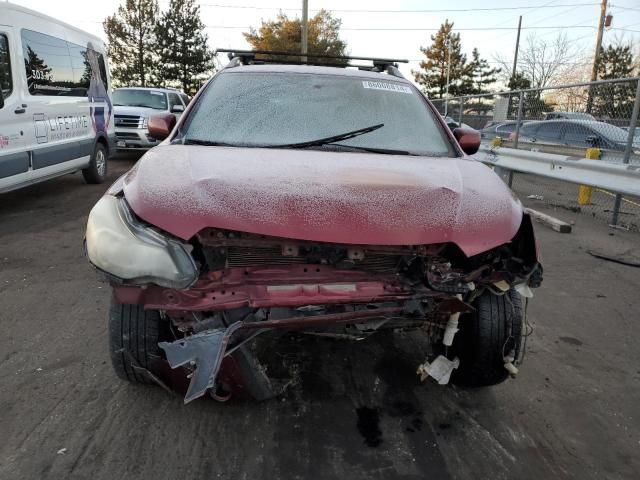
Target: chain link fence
x=596 y=120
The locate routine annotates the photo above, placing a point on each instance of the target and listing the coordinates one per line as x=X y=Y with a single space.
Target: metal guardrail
x=602 y=115
x=577 y=152
x=619 y=178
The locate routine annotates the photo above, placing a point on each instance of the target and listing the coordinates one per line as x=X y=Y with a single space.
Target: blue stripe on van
x=13 y=164
x=45 y=157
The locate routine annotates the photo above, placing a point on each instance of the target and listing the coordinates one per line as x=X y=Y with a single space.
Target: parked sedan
x=575 y=133
x=569 y=116
x=339 y=204
x=500 y=129
x=453 y=124
x=636 y=133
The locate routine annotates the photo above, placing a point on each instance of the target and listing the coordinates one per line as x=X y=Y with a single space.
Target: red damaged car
x=312 y=199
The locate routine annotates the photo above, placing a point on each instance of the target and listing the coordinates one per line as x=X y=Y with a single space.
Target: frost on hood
x=324 y=196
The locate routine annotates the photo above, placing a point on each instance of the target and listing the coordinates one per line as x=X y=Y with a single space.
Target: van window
x=185 y=99
x=56 y=67
x=5 y=67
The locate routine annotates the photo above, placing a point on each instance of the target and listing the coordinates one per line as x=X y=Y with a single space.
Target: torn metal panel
x=205 y=351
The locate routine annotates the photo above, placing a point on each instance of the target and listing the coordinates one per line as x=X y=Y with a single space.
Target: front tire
x=486 y=336
x=134 y=334
x=96 y=172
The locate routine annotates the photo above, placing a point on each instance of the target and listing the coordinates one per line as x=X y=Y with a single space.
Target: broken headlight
x=124 y=248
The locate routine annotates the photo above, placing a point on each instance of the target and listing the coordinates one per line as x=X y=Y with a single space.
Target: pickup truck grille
x=128 y=121
x=131 y=135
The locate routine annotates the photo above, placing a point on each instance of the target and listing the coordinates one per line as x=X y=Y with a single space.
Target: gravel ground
x=355 y=410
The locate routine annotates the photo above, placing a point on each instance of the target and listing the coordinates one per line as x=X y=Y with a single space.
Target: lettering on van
x=37 y=74
x=60 y=127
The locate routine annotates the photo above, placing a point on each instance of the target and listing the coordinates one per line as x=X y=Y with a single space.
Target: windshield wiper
x=328 y=140
x=388 y=151
x=141 y=105
x=196 y=141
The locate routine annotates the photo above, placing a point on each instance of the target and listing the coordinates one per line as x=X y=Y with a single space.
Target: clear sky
x=395 y=28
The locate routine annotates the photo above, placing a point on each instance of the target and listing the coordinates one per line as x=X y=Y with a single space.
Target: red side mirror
x=468 y=139
x=161 y=125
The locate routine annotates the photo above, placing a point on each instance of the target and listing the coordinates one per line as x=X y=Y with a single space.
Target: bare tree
x=571 y=99
x=544 y=62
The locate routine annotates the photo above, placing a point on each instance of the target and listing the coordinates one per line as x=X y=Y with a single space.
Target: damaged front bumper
x=206 y=350
x=359 y=289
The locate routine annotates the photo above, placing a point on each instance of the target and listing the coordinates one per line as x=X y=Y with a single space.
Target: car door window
x=6 y=83
x=507 y=128
x=529 y=130
x=185 y=99
x=576 y=135
x=549 y=132
x=174 y=100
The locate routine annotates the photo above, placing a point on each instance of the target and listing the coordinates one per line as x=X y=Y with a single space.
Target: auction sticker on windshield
x=390 y=87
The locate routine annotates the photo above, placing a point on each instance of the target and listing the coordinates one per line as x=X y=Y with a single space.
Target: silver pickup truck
x=132 y=108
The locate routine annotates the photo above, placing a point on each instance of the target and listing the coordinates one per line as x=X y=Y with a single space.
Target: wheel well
x=102 y=140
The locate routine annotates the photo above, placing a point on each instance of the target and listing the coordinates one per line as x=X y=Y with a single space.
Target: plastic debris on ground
x=440 y=369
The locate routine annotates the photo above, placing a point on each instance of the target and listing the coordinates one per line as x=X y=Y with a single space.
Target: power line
x=492 y=62
x=626 y=8
x=624 y=29
x=436 y=10
x=429 y=29
x=579 y=24
x=502 y=35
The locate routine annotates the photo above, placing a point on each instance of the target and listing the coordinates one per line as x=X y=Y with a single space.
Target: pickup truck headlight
x=122 y=247
x=145 y=122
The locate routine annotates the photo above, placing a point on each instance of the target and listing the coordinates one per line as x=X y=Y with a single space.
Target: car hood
x=336 y=197
x=141 y=111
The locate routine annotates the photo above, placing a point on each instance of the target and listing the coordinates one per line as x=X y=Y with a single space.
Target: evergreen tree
x=131 y=39
x=481 y=74
x=433 y=74
x=533 y=105
x=614 y=100
x=5 y=71
x=516 y=82
x=284 y=34
x=37 y=71
x=184 y=57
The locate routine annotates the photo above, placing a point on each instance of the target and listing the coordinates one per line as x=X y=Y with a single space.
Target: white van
x=56 y=114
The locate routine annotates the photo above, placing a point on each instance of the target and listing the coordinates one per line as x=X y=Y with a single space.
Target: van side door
x=57 y=103
x=14 y=157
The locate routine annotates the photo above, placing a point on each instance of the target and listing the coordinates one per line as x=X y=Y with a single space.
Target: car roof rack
x=248 y=57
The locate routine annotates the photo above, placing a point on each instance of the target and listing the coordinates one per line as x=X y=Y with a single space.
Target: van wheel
x=96 y=172
x=134 y=334
x=486 y=335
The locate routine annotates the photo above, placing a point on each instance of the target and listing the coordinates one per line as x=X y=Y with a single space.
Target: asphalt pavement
x=353 y=410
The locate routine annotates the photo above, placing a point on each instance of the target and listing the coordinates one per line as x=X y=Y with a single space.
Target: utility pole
x=515 y=57
x=594 y=69
x=305 y=31
x=446 y=102
x=603 y=13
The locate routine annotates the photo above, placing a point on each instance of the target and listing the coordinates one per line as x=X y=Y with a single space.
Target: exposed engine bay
x=250 y=284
